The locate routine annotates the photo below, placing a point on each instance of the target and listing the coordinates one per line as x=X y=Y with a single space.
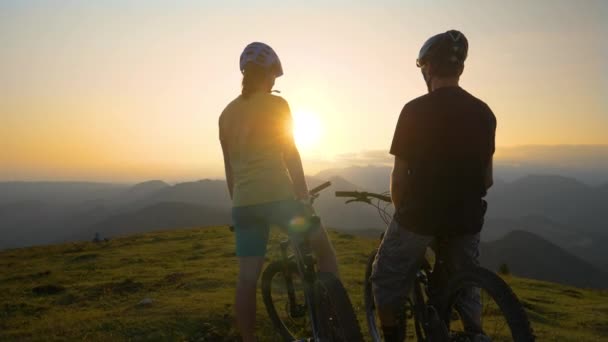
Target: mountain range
x=561 y=211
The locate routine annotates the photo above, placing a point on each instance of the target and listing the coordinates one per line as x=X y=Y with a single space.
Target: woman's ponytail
x=253 y=77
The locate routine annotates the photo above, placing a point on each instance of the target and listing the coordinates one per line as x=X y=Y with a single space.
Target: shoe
x=481 y=338
x=467 y=337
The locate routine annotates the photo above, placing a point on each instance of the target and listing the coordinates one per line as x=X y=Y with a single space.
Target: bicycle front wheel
x=481 y=306
x=288 y=315
x=337 y=319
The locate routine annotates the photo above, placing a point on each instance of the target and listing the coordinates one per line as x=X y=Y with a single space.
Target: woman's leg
x=324 y=251
x=251 y=235
x=249 y=272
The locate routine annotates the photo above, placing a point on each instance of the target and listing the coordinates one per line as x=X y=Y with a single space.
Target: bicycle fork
x=295 y=310
x=307 y=271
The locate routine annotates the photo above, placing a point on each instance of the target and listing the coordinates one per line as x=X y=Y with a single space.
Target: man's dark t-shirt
x=447 y=139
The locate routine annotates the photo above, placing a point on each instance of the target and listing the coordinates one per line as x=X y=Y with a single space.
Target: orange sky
x=109 y=91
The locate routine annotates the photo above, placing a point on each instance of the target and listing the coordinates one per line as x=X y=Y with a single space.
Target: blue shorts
x=252 y=224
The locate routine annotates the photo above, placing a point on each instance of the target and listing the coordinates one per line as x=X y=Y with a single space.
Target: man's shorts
x=252 y=224
x=399 y=258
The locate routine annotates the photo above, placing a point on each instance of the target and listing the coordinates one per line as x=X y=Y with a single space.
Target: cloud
x=368 y=157
x=559 y=156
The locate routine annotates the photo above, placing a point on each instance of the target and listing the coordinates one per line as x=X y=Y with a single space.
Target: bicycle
x=433 y=301
x=304 y=304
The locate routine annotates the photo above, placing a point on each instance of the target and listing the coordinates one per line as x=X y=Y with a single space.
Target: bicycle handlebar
x=319 y=188
x=363 y=196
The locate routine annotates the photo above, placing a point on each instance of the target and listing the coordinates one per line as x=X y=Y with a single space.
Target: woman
x=265 y=177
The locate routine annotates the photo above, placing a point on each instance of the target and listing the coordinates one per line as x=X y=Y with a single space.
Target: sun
x=307 y=129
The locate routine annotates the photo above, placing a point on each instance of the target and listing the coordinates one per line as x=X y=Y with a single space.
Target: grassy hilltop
x=89 y=291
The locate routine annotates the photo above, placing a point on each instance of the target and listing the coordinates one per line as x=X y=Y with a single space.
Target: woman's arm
x=291 y=155
x=292 y=159
x=227 y=168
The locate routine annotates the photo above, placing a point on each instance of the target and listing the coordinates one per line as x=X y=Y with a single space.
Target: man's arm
x=227 y=168
x=399 y=182
x=489 y=178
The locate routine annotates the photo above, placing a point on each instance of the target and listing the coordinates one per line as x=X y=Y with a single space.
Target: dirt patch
x=40 y=275
x=66 y=299
x=84 y=258
x=541 y=300
x=46 y=290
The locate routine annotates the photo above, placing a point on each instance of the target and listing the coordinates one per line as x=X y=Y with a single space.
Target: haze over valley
x=560 y=213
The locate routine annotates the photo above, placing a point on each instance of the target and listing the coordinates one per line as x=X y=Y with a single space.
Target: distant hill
x=57 y=192
x=370 y=178
x=561 y=199
x=163 y=215
x=142 y=190
x=209 y=193
x=588 y=246
x=528 y=255
x=336 y=214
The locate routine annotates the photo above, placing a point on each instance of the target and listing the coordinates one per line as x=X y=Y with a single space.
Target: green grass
x=88 y=291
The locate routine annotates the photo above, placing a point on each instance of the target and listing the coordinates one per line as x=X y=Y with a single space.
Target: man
x=443 y=147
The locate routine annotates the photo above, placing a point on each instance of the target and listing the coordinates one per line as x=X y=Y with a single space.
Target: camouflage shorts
x=399 y=258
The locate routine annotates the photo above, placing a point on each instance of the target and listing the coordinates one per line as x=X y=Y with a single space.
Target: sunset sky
x=132 y=90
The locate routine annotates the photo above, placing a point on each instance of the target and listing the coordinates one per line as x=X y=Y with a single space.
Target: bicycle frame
x=306 y=269
x=425 y=314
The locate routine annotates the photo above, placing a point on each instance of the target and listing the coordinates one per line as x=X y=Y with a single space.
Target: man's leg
x=463 y=252
x=249 y=272
x=393 y=272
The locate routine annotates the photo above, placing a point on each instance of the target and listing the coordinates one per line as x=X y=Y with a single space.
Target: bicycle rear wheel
x=502 y=316
x=337 y=318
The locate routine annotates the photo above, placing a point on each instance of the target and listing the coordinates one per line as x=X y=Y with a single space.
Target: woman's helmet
x=262 y=55
x=451 y=46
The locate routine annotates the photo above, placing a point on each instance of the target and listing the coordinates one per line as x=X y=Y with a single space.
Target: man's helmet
x=262 y=55
x=451 y=46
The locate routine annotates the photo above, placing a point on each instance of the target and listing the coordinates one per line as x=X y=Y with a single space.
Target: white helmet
x=262 y=55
